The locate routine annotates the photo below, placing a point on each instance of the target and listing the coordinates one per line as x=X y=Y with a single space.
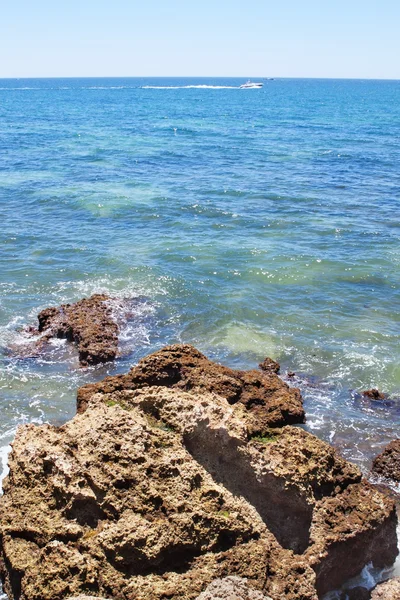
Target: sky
x=207 y=38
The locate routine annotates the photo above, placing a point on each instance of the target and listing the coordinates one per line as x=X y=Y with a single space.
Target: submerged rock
x=88 y=323
x=160 y=485
x=389 y=590
x=374 y=394
x=387 y=463
x=268 y=401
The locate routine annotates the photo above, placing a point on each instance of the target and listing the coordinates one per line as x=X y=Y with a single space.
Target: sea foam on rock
x=179 y=473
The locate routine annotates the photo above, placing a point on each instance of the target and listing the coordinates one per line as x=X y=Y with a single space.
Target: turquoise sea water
x=248 y=222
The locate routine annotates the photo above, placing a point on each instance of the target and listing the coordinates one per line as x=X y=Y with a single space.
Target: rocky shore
x=185 y=479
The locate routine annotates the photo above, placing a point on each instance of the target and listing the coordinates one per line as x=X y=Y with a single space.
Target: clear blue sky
x=283 y=38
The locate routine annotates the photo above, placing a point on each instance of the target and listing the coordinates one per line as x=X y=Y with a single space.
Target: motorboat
x=249 y=85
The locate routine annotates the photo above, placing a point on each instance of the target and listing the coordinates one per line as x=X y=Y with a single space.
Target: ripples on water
x=249 y=222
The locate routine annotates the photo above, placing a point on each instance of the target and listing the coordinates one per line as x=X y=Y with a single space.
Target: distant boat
x=249 y=85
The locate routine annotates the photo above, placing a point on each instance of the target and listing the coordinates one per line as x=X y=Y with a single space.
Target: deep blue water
x=251 y=223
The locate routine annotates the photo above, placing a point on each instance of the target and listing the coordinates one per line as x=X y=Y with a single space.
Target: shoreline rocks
x=387 y=463
x=180 y=473
x=268 y=401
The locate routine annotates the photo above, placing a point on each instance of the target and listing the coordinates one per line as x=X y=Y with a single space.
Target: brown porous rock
x=387 y=463
x=88 y=323
x=270 y=365
x=269 y=402
x=374 y=394
x=154 y=491
x=389 y=590
x=231 y=588
x=80 y=597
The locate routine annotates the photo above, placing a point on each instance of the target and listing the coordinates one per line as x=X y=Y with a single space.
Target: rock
x=374 y=394
x=88 y=323
x=86 y=598
x=270 y=365
x=389 y=590
x=387 y=463
x=112 y=503
x=231 y=588
x=154 y=491
x=269 y=402
x=353 y=523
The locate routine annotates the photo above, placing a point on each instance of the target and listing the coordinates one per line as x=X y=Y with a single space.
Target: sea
x=247 y=222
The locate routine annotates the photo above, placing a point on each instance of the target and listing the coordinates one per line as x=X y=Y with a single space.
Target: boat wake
x=189 y=87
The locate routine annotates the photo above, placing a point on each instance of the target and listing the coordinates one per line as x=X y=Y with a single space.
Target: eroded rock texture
x=161 y=484
x=88 y=323
x=231 y=588
x=268 y=401
x=390 y=590
x=387 y=463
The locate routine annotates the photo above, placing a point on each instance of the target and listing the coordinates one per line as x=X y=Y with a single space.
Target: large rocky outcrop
x=269 y=402
x=387 y=463
x=153 y=491
x=88 y=323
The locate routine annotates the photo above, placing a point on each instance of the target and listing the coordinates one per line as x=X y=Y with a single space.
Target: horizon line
x=198 y=77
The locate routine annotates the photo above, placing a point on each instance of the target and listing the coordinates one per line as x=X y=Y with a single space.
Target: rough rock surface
x=154 y=491
x=389 y=590
x=88 y=323
x=231 y=588
x=270 y=365
x=269 y=402
x=387 y=463
x=80 y=597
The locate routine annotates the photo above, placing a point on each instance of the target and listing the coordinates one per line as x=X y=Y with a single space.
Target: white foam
x=190 y=87
x=368 y=578
x=4 y=452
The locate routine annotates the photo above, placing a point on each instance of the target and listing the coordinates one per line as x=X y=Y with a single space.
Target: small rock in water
x=374 y=394
x=270 y=365
x=88 y=323
x=387 y=463
x=91 y=324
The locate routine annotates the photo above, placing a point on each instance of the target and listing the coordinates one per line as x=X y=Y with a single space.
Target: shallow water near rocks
x=247 y=222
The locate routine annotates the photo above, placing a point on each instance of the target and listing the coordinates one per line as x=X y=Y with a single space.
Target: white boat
x=250 y=85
